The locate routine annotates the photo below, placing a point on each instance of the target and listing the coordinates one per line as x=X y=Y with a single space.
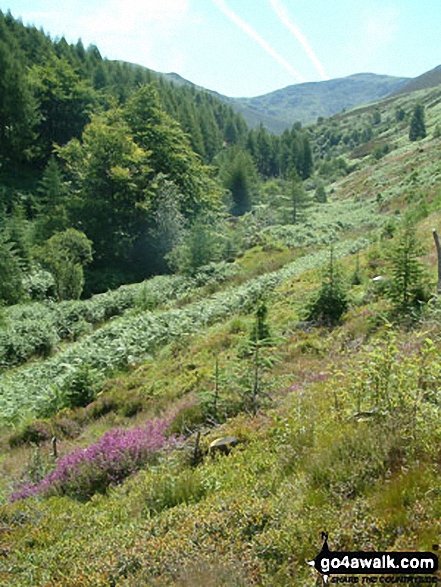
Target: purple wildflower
x=118 y=454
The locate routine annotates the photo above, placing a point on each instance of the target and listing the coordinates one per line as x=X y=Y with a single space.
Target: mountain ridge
x=308 y=101
x=429 y=79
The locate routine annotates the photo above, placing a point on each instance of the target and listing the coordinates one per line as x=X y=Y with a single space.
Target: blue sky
x=250 y=47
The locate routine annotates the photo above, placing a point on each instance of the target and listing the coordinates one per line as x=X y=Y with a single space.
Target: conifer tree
x=331 y=301
x=11 y=287
x=417 y=129
x=406 y=290
x=260 y=333
x=238 y=175
x=298 y=198
x=53 y=193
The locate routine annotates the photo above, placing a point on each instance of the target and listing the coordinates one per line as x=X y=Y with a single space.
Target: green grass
x=347 y=438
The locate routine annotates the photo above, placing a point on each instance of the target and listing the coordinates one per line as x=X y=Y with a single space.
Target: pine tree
x=18 y=115
x=199 y=246
x=417 y=129
x=331 y=301
x=320 y=194
x=406 y=290
x=298 y=198
x=260 y=333
x=53 y=193
x=11 y=286
x=238 y=175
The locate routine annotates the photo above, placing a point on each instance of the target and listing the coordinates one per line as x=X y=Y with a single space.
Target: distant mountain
x=308 y=101
x=428 y=80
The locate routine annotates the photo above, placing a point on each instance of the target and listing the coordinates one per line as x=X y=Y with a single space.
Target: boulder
x=223 y=444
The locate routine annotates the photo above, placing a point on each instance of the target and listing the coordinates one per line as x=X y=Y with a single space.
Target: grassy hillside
x=429 y=79
x=308 y=101
x=337 y=428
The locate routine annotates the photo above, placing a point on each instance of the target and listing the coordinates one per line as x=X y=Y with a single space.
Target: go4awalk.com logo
x=405 y=564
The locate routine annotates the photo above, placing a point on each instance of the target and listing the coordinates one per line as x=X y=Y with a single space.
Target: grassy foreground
x=342 y=432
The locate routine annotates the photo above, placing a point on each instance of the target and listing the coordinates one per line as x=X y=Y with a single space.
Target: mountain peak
x=307 y=101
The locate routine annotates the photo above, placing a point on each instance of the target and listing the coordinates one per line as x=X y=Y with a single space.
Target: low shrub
x=36 y=432
x=188 y=418
x=81 y=386
x=67 y=428
x=169 y=490
x=21 y=342
x=118 y=454
x=100 y=407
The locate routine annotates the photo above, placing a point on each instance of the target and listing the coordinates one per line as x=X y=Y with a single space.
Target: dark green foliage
x=65 y=102
x=380 y=151
x=320 y=194
x=108 y=174
x=135 y=168
x=400 y=114
x=119 y=158
x=80 y=387
x=168 y=221
x=299 y=199
x=261 y=331
x=18 y=115
x=239 y=177
x=200 y=246
x=407 y=288
x=275 y=156
x=168 y=149
x=36 y=432
x=11 y=275
x=331 y=301
x=53 y=193
x=376 y=117
x=334 y=168
x=417 y=128
x=64 y=255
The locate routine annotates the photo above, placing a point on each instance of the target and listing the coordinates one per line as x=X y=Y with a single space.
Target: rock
x=223 y=444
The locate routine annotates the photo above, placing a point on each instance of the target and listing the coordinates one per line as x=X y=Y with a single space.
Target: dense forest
x=113 y=168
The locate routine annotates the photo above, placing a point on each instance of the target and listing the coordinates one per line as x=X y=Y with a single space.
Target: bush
x=118 y=454
x=39 y=285
x=28 y=338
x=407 y=289
x=81 y=386
x=331 y=302
x=36 y=432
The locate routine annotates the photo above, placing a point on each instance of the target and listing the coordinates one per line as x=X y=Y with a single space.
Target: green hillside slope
x=429 y=79
x=306 y=102
x=205 y=427
x=309 y=101
x=338 y=428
